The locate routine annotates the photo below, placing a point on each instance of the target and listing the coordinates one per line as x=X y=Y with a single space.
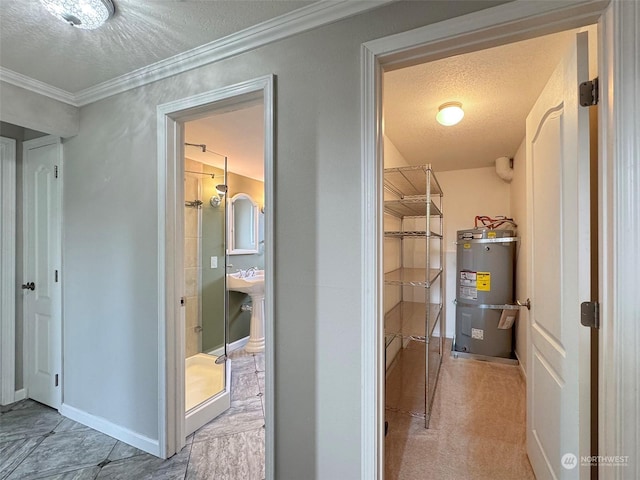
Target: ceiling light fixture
x=449 y=113
x=85 y=14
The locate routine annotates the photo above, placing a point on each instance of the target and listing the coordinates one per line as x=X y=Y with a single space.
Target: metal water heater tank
x=484 y=289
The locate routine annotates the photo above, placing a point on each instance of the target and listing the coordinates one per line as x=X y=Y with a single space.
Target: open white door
x=558 y=379
x=41 y=281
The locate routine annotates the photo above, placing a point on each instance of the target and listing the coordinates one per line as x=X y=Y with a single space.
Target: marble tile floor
x=36 y=442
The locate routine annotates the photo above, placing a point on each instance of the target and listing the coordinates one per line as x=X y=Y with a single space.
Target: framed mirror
x=243 y=225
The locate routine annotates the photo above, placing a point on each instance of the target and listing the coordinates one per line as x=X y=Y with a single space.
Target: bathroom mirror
x=242 y=225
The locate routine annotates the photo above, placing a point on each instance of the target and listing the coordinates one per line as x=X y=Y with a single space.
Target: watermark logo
x=569 y=461
x=605 y=460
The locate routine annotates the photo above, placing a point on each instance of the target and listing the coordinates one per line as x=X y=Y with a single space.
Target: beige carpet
x=477 y=427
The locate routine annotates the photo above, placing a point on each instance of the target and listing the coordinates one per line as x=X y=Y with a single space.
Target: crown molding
x=298 y=21
x=306 y=18
x=33 y=85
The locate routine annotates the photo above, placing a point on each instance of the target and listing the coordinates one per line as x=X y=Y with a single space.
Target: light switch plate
x=214 y=262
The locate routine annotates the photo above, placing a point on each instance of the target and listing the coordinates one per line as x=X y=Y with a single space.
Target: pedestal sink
x=252 y=284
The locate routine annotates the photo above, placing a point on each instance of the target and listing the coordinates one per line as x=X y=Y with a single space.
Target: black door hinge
x=589 y=93
x=55 y=171
x=590 y=314
x=56 y=275
x=57 y=380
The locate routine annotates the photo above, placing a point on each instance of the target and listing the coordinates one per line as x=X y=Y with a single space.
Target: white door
x=42 y=273
x=558 y=381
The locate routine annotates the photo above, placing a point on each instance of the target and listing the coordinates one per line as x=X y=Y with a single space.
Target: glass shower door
x=207 y=374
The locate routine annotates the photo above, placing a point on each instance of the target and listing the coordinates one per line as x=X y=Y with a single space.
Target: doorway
x=15 y=145
x=223 y=239
x=508 y=80
x=172 y=119
x=442 y=40
x=517 y=73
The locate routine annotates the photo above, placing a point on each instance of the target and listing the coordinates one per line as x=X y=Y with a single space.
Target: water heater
x=485 y=292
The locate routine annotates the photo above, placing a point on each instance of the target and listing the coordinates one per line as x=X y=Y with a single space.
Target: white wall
x=392 y=156
x=392 y=261
x=467 y=193
x=392 y=254
x=519 y=212
x=111 y=252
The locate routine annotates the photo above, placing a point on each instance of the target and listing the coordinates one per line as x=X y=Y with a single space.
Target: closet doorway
x=383 y=58
x=501 y=89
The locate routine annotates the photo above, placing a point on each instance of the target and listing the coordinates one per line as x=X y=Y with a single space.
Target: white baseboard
x=20 y=395
x=238 y=344
x=231 y=347
x=102 y=425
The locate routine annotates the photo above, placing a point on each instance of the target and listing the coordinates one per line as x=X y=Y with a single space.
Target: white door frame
x=7 y=269
x=170 y=117
x=519 y=20
x=619 y=258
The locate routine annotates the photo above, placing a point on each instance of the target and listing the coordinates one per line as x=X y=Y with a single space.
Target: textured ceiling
x=142 y=32
x=497 y=87
x=237 y=134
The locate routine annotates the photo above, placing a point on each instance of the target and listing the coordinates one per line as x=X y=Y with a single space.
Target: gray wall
x=19 y=134
x=111 y=253
x=27 y=109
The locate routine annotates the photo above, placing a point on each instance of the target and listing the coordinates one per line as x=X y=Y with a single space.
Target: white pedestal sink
x=254 y=286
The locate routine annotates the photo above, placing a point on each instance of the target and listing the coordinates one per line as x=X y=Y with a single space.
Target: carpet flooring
x=477 y=425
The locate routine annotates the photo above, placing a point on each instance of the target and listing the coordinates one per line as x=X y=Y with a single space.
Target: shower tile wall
x=192 y=262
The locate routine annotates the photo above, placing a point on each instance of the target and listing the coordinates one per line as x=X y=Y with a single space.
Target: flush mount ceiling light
x=449 y=113
x=85 y=14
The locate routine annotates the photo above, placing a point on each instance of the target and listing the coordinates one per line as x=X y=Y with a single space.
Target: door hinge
x=182 y=301
x=590 y=314
x=55 y=171
x=57 y=380
x=589 y=93
x=56 y=275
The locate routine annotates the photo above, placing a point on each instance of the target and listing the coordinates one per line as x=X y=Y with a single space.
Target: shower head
x=221 y=191
x=201 y=146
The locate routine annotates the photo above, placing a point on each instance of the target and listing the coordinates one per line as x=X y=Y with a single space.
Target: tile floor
x=36 y=442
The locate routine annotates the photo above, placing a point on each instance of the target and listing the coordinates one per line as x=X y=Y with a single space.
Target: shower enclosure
x=207 y=381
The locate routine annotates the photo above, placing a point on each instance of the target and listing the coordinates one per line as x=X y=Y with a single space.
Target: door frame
x=495 y=26
x=170 y=118
x=57 y=302
x=7 y=269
